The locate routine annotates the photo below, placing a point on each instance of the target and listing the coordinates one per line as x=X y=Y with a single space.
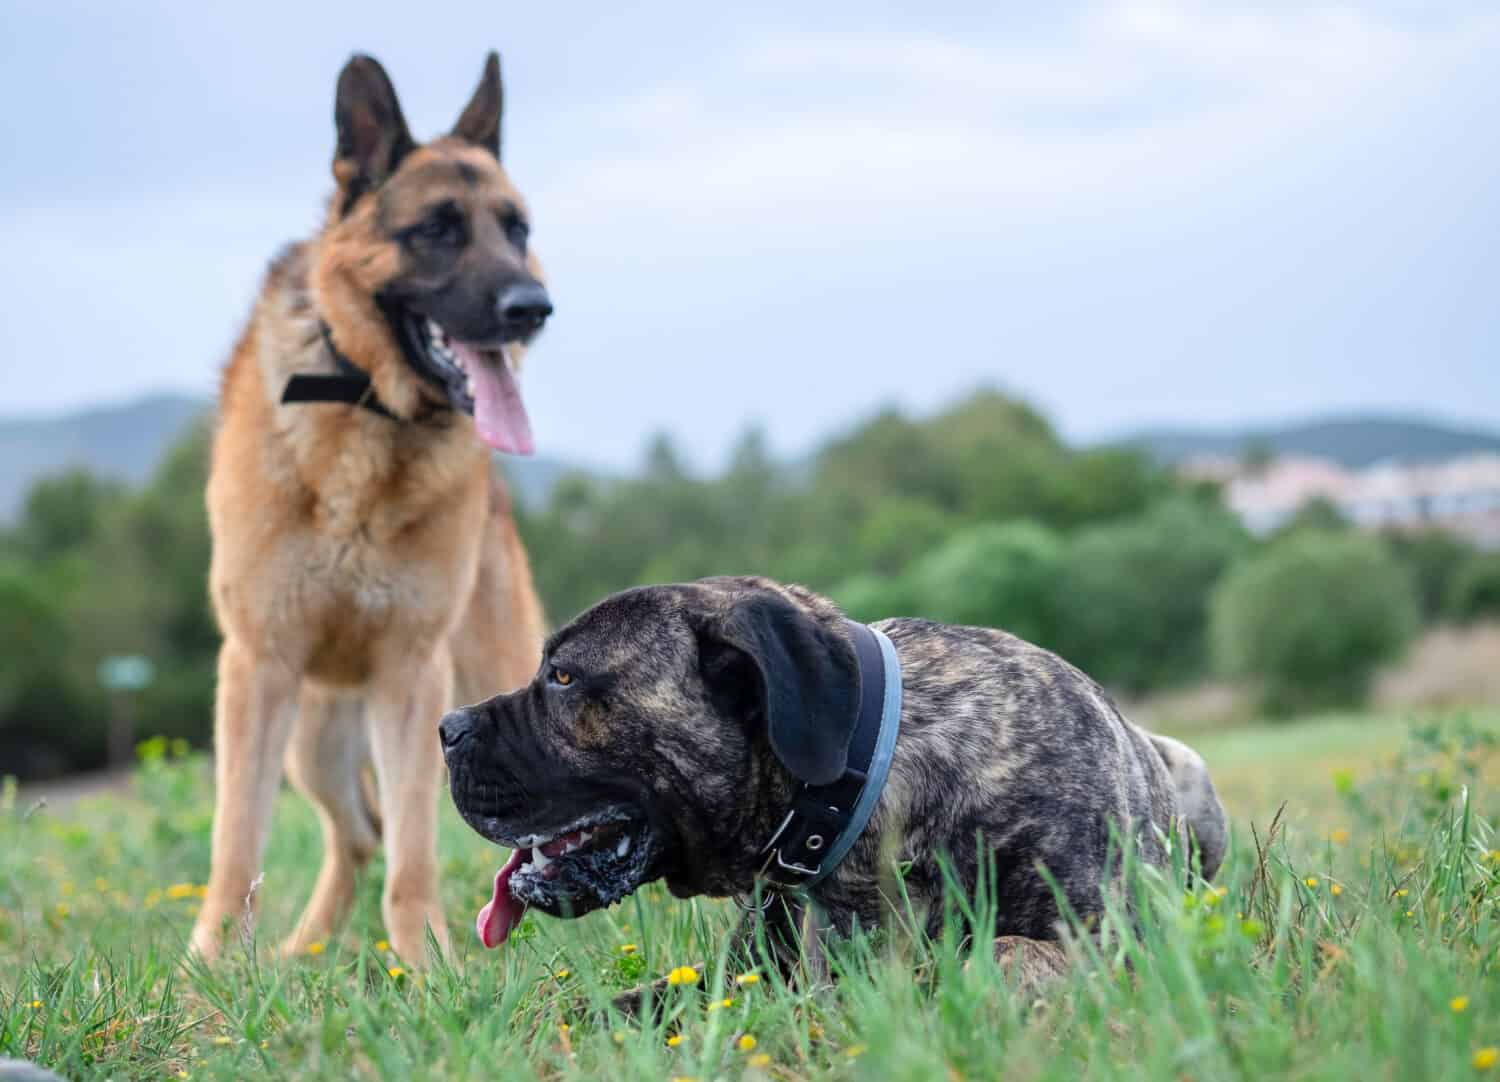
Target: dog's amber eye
x=561 y=676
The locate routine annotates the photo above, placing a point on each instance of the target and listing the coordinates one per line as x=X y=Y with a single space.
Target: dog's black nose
x=525 y=305
x=454 y=729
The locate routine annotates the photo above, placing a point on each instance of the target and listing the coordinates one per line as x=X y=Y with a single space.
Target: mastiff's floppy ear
x=804 y=680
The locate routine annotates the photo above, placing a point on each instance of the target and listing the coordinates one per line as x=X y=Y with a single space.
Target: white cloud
x=1136 y=100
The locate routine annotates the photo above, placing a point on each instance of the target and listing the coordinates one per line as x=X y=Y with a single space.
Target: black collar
x=825 y=820
x=351 y=385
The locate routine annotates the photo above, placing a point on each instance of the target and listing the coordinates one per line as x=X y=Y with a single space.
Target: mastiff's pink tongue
x=499 y=413
x=502 y=912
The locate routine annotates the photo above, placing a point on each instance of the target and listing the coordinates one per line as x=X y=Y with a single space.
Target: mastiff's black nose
x=524 y=306
x=455 y=728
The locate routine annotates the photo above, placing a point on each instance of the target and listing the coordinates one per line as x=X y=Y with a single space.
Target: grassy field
x=1361 y=944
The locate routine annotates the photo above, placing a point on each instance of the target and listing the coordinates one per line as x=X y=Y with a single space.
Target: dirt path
x=62 y=793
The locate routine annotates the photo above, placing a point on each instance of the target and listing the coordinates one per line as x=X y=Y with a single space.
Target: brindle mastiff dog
x=670 y=729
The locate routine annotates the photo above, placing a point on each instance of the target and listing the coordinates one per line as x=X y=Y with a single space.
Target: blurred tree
x=1474 y=593
x=1318 y=514
x=61 y=514
x=1000 y=575
x=1434 y=559
x=1133 y=593
x=1310 y=618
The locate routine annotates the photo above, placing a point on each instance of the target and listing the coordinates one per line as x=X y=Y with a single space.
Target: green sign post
x=123 y=675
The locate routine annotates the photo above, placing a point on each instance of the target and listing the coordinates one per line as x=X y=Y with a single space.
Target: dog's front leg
x=254 y=707
x=783 y=935
x=404 y=707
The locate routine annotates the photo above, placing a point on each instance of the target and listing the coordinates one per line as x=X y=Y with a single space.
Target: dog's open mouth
x=480 y=380
x=597 y=860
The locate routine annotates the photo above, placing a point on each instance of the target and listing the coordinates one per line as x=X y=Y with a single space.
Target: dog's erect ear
x=804 y=676
x=373 y=137
x=480 y=122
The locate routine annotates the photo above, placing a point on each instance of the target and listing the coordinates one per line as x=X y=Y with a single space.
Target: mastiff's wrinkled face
x=661 y=738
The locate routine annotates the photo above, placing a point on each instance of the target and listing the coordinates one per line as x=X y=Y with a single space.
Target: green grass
x=1339 y=956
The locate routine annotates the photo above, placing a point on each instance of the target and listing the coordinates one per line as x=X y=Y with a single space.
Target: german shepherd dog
x=366 y=570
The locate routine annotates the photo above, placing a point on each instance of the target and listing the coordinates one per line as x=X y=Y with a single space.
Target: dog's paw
x=1031 y=964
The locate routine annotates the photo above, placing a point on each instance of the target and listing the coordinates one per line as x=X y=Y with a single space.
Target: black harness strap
x=820 y=814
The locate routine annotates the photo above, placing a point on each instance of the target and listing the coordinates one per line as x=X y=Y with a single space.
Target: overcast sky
x=1130 y=213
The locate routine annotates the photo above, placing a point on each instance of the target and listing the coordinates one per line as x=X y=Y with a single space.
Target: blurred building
x=1461 y=495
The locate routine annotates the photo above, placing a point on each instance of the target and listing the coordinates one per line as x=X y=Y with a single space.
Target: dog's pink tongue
x=499 y=412
x=502 y=912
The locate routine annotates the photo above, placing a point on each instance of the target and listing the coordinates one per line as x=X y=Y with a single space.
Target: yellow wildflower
x=628 y=948
x=1335 y=889
x=396 y=973
x=746 y=1043
x=36 y=1004
x=618 y=1037
x=178 y=891
x=1402 y=893
x=1485 y=1058
x=1311 y=881
x=564 y=1028
x=760 y=1059
x=674 y=1040
x=382 y=945
x=1458 y=1004
x=315 y=948
x=1339 y=836
x=747 y=978
x=62 y=909
x=200 y=891
x=683 y=975
x=854 y=1051
x=718 y=1005
x=221 y=1039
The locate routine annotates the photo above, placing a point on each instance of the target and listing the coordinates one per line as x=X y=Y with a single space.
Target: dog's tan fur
x=366 y=575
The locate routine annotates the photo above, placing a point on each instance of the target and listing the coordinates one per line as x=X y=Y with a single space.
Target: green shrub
x=996 y=575
x=1474 y=593
x=1434 y=558
x=872 y=597
x=1310 y=618
x=1132 y=600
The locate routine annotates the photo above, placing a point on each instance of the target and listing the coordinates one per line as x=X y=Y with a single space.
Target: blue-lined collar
x=825 y=820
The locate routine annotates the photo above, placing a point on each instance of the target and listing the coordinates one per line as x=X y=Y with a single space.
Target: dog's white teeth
x=580 y=841
x=532 y=841
x=540 y=860
x=623 y=847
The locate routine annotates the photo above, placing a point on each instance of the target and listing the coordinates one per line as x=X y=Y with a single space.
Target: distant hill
x=125 y=442
x=1354 y=441
x=122 y=442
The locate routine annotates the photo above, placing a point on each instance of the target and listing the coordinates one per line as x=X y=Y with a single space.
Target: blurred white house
x=1461 y=495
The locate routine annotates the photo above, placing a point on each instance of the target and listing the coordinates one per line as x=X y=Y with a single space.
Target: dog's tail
x=1197 y=802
